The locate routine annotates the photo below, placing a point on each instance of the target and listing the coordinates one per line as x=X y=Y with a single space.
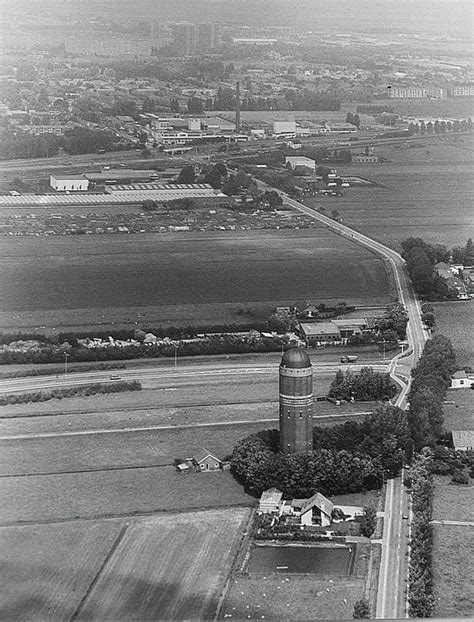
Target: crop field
x=143 y=569
x=455 y=320
x=167 y=568
x=46 y=569
x=83 y=280
x=458 y=416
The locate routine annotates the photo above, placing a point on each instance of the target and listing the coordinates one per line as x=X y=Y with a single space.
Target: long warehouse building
x=120 y=195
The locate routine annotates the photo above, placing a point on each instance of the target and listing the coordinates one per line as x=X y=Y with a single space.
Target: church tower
x=296 y=402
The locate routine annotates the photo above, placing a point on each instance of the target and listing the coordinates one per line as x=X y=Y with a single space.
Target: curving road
x=391 y=602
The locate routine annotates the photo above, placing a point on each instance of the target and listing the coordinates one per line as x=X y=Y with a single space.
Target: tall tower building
x=184 y=39
x=296 y=402
x=207 y=37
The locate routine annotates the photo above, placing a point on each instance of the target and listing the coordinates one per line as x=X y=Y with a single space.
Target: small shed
x=463 y=440
x=270 y=501
x=208 y=462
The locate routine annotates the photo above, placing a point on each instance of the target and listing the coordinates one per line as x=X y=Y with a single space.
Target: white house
x=316 y=510
x=68 y=183
x=460 y=380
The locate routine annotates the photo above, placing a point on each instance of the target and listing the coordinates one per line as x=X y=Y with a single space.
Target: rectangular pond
x=300 y=559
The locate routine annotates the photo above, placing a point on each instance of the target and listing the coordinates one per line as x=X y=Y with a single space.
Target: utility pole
x=65 y=363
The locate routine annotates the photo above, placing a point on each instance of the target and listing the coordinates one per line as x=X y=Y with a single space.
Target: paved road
x=164 y=375
x=391 y=600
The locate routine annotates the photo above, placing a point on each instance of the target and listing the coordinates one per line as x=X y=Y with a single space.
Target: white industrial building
x=69 y=183
x=295 y=162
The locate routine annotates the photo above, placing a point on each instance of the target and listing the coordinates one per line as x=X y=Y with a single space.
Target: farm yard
x=115 y=570
x=87 y=280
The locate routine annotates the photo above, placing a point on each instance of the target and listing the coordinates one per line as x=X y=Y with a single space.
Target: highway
x=166 y=375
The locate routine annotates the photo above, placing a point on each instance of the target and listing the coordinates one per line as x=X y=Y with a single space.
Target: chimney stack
x=237 y=107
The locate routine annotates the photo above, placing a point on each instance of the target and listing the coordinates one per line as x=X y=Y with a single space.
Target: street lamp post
x=66 y=355
x=176 y=356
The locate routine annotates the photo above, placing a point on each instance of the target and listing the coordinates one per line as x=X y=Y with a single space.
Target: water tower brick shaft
x=296 y=404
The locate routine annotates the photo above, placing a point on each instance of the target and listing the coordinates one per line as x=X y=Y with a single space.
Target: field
x=423 y=192
x=453 y=545
x=292 y=597
x=114 y=570
x=151 y=279
x=46 y=569
x=453 y=571
x=459 y=416
x=157 y=571
x=453 y=501
x=455 y=320
x=115 y=493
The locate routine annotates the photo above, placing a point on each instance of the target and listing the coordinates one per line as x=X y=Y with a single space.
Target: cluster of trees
x=353 y=119
x=420 y=587
x=431 y=380
x=393 y=325
x=383 y=435
x=448 y=461
x=361 y=609
x=440 y=127
x=58 y=394
x=76 y=140
x=365 y=385
x=21 y=145
x=348 y=458
x=421 y=258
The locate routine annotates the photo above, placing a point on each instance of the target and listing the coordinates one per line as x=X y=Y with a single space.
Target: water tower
x=296 y=402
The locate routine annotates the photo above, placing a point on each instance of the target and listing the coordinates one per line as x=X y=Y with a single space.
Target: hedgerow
x=81 y=391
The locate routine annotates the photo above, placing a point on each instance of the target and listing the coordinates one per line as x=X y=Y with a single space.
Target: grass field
x=127 y=449
x=453 y=546
x=46 y=569
x=453 y=501
x=179 y=278
x=116 y=493
x=453 y=571
x=419 y=194
x=459 y=416
x=455 y=320
x=167 y=568
x=291 y=598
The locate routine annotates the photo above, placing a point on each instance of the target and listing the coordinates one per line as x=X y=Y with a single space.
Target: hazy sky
x=394 y=15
